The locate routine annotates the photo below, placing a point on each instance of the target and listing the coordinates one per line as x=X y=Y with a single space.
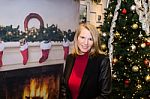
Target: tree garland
x=143 y=10
x=113 y=24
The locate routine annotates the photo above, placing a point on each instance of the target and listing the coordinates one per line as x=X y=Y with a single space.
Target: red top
x=77 y=74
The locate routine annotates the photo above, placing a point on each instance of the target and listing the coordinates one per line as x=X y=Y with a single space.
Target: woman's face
x=84 y=41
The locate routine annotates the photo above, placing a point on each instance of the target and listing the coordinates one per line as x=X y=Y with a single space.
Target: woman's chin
x=84 y=51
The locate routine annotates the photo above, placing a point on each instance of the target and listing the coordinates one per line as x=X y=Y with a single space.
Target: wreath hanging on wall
x=30 y=16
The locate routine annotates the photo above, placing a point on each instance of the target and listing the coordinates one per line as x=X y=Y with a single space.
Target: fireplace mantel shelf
x=12 y=58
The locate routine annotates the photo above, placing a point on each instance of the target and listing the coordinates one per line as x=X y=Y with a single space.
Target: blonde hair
x=95 y=49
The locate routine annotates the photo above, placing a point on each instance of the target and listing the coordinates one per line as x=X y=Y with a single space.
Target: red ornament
x=124 y=11
x=127 y=82
x=146 y=61
x=147 y=43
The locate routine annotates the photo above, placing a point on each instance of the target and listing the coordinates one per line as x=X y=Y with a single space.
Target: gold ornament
x=103 y=46
x=117 y=34
x=143 y=45
x=135 y=68
x=147 y=78
x=134 y=26
x=139 y=87
x=114 y=60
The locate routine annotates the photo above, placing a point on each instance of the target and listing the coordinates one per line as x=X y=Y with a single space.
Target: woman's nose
x=86 y=41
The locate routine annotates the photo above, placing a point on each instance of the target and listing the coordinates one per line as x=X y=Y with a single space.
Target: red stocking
x=66 y=51
x=25 y=56
x=44 y=57
x=24 y=52
x=1 y=53
x=66 y=48
x=45 y=47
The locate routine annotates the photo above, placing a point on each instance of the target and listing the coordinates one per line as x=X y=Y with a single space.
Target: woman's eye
x=82 y=37
x=90 y=39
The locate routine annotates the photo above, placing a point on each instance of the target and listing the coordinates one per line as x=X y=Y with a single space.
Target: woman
x=87 y=73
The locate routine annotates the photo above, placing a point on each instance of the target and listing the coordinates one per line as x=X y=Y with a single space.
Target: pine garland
x=49 y=33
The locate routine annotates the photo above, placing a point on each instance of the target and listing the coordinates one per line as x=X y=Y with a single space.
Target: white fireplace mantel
x=12 y=58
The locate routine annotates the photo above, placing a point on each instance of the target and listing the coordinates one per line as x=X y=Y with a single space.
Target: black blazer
x=96 y=81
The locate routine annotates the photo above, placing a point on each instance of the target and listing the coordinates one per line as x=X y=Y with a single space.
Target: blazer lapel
x=69 y=67
x=86 y=73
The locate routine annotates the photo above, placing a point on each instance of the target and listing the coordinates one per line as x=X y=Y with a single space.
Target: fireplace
x=40 y=82
x=34 y=80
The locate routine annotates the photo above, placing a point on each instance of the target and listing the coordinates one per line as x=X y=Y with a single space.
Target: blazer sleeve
x=105 y=79
x=62 y=87
x=63 y=90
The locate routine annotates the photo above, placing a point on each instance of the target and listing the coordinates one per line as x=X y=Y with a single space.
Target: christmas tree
x=127 y=25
